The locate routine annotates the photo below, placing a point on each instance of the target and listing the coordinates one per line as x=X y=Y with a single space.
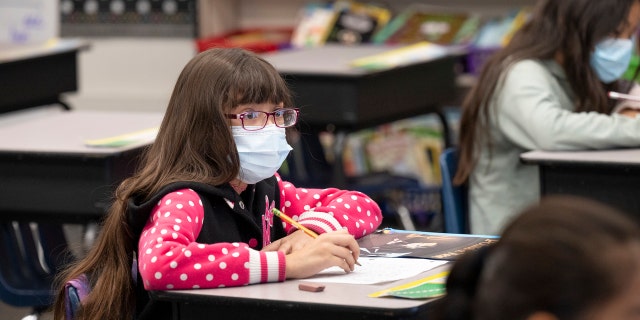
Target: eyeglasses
x=256 y=120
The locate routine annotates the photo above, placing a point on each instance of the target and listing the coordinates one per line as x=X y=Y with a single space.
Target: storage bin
x=477 y=56
x=258 y=40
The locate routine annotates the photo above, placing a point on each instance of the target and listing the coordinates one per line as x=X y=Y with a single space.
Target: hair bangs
x=254 y=82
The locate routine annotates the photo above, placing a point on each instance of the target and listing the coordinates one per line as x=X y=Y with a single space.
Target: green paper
x=421 y=291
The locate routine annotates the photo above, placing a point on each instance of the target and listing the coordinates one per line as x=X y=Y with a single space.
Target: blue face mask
x=611 y=58
x=261 y=152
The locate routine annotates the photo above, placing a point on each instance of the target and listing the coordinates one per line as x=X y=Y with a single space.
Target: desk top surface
x=331 y=59
x=53 y=130
x=334 y=294
x=615 y=156
x=13 y=53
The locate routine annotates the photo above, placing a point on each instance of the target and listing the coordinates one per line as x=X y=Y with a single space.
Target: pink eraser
x=313 y=287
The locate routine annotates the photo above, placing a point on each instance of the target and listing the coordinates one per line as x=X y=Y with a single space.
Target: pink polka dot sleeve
x=169 y=257
x=324 y=210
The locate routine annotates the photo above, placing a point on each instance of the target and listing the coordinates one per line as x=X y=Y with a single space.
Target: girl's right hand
x=337 y=248
x=629 y=112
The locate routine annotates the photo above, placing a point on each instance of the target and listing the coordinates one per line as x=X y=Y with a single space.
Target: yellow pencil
x=296 y=224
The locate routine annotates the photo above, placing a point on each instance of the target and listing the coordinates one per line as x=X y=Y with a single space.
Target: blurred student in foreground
x=567 y=258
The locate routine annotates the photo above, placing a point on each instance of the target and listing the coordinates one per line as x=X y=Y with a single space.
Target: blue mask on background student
x=261 y=152
x=611 y=58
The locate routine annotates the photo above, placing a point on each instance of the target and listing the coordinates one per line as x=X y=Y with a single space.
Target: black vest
x=228 y=217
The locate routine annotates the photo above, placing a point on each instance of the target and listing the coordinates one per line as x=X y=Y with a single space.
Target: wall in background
x=143 y=18
x=129 y=73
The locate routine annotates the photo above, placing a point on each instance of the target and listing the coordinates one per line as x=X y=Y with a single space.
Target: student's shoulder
x=195 y=189
x=531 y=71
x=528 y=66
x=180 y=198
x=186 y=193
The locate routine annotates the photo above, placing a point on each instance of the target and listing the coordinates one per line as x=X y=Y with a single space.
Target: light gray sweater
x=532 y=110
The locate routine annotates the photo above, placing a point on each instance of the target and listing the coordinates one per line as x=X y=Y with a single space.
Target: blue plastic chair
x=22 y=282
x=454 y=198
x=27 y=268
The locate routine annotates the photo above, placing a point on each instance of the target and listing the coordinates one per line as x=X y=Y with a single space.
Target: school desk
x=330 y=91
x=36 y=75
x=610 y=176
x=334 y=95
x=284 y=300
x=47 y=171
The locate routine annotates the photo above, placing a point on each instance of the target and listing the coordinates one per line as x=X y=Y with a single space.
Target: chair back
x=24 y=282
x=454 y=198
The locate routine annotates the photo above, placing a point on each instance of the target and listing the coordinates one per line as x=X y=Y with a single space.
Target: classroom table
x=48 y=173
x=335 y=96
x=329 y=91
x=610 y=176
x=284 y=300
x=37 y=74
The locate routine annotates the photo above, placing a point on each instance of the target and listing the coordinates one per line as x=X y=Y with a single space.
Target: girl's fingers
x=285 y=247
x=346 y=248
x=345 y=258
x=341 y=263
x=273 y=246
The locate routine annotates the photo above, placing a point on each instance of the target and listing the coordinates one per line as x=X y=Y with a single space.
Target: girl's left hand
x=291 y=243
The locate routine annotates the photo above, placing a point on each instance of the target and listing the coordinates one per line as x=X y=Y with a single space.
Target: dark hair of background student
x=570 y=29
x=566 y=257
x=194 y=144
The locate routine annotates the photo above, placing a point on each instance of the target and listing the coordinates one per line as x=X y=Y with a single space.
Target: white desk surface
x=11 y=53
x=53 y=130
x=338 y=294
x=326 y=60
x=615 y=156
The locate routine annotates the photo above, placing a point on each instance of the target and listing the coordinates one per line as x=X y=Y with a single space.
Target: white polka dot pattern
x=171 y=259
x=324 y=210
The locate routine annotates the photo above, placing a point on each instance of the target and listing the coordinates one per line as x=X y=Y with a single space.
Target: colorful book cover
x=390 y=28
x=356 y=22
x=405 y=55
x=440 y=28
x=416 y=244
x=521 y=17
x=497 y=32
x=313 y=25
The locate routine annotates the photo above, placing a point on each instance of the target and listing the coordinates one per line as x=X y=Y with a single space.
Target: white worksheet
x=378 y=270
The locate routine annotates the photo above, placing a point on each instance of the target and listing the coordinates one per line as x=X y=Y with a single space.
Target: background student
x=198 y=212
x=566 y=258
x=547 y=89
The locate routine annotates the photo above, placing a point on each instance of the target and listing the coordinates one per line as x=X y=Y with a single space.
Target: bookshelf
x=219 y=16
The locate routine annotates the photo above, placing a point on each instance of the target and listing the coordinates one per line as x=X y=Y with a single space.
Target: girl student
x=547 y=89
x=198 y=212
x=566 y=258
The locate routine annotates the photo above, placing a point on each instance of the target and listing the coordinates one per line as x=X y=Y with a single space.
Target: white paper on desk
x=378 y=270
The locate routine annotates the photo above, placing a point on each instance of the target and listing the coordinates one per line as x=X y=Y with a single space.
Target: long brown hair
x=194 y=143
x=569 y=28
